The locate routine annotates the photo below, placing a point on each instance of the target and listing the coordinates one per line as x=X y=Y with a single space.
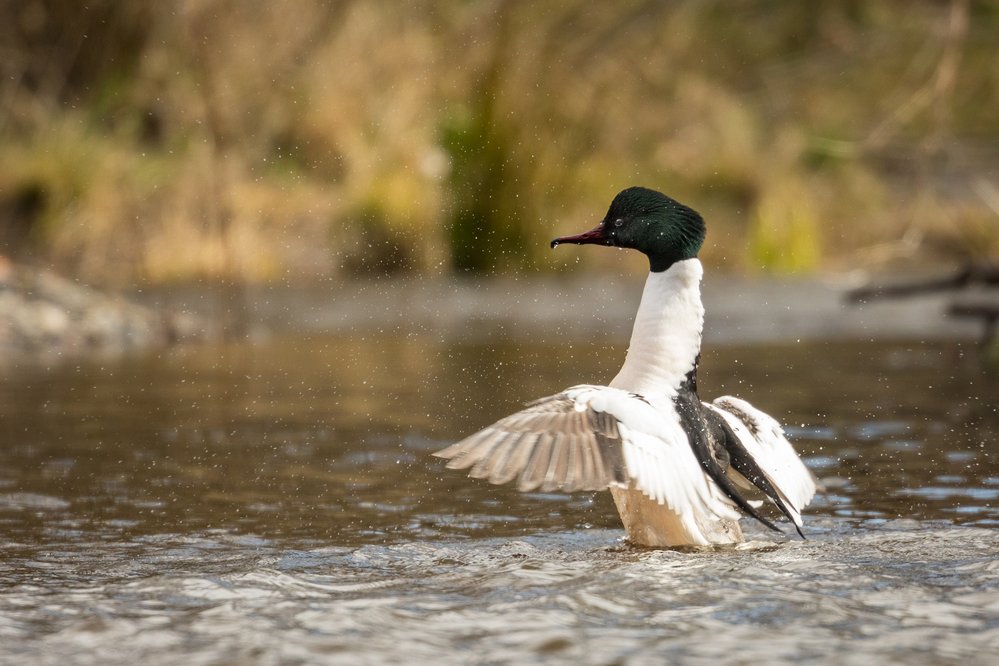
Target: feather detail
x=593 y=438
x=764 y=440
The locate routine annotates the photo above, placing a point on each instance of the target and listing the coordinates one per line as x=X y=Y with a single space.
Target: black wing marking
x=744 y=463
x=695 y=421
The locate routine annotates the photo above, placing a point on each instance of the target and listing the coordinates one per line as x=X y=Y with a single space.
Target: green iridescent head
x=661 y=228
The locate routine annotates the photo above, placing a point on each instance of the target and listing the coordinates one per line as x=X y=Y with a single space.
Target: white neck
x=667 y=334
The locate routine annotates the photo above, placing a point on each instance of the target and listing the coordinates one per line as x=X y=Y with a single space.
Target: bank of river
x=738 y=309
x=47 y=318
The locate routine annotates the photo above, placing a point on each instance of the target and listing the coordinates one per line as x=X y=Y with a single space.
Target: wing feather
x=534 y=472
x=498 y=458
x=592 y=438
x=764 y=440
x=520 y=453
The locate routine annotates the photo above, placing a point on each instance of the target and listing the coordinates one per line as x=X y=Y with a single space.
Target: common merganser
x=679 y=469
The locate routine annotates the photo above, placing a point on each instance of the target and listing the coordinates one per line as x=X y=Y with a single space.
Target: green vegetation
x=263 y=141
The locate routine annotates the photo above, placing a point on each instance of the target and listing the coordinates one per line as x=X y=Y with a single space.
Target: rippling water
x=277 y=504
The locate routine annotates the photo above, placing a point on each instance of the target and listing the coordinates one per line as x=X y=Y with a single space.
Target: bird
x=681 y=471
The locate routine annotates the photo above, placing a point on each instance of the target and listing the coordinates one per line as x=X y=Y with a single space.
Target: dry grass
x=267 y=141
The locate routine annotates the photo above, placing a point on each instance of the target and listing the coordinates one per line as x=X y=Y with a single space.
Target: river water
x=277 y=503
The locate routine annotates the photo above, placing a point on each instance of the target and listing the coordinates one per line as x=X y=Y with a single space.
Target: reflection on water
x=279 y=503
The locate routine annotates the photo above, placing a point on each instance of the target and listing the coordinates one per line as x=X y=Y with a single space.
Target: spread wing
x=788 y=482
x=592 y=438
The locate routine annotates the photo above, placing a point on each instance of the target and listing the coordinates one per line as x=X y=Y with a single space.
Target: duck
x=682 y=471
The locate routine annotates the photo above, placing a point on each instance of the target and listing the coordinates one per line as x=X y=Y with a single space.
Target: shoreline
x=49 y=318
x=738 y=310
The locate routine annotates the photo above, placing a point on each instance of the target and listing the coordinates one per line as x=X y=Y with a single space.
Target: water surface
x=277 y=503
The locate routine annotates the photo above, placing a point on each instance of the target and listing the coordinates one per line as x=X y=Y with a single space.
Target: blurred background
x=268 y=141
x=348 y=205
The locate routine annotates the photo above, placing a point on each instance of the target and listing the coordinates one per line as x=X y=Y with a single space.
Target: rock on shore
x=43 y=315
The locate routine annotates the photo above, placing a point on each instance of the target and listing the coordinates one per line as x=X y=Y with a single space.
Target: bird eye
x=618 y=222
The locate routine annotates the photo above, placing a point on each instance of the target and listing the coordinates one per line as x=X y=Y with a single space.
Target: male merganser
x=677 y=467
